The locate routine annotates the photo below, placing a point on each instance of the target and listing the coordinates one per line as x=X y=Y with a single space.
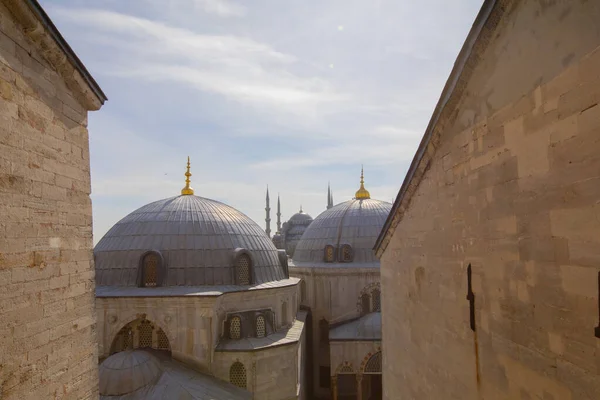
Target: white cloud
x=381 y=146
x=246 y=90
x=222 y=8
x=236 y=67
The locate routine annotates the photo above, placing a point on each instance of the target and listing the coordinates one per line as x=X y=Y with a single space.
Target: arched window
x=123 y=340
x=237 y=375
x=329 y=253
x=243 y=267
x=145 y=332
x=376 y=297
x=365 y=303
x=346 y=369
x=346 y=253
x=148 y=335
x=235 y=328
x=302 y=291
x=284 y=314
x=373 y=366
x=261 y=328
x=150 y=270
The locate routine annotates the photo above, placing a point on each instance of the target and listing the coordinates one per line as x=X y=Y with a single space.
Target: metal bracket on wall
x=471 y=298
x=597 y=329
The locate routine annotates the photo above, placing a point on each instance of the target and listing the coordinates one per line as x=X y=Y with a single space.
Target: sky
x=292 y=94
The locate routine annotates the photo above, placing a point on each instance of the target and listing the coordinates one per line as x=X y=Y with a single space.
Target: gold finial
x=187 y=189
x=362 y=193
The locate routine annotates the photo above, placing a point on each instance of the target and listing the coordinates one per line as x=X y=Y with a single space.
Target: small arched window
x=261 y=328
x=243 y=267
x=235 y=328
x=373 y=365
x=123 y=340
x=150 y=270
x=365 y=303
x=329 y=253
x=237 y=375
x=346 y=253
x=376 y=298
x=284 y=313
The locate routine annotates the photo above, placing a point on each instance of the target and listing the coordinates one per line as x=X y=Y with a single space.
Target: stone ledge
x=38 y=28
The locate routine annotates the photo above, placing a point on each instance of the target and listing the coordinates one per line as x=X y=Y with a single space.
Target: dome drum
x=249 y=324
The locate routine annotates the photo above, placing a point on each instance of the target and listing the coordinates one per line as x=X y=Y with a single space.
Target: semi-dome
x=345 y=234
x=187 y=240
x=127 y=371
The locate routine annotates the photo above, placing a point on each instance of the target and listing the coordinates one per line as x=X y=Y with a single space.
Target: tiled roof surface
x=282 y=337
x=367 y=327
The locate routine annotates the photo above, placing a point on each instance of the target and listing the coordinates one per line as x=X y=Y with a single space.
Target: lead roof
x=196 y=238
x=354 y=222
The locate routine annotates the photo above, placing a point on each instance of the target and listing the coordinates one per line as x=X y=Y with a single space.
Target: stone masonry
x=507 y=192
x=48 y=347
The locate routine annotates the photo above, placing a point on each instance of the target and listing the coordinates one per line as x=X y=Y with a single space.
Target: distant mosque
x=340 y=290
x=288 y=235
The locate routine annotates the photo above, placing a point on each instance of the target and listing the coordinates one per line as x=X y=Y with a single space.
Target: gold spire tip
x=362 y=193
x=187 y=190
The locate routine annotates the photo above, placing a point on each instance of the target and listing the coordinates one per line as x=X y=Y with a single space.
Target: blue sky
x=289 y=93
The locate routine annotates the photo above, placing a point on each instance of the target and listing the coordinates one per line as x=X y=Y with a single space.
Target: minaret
x=187 y=190
x=329 y=196
x=268 y=218
x=278 y=215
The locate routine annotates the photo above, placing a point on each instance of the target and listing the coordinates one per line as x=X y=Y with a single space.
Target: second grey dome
x=354 y=223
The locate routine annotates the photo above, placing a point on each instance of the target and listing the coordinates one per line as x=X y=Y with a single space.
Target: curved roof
x=127 y=371
x=367 y=327
x=177 y=381
x=197 y=238
x=355 y=222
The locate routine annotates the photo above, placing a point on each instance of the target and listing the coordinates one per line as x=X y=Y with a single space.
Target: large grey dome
x=356 y=223
x=197 y=240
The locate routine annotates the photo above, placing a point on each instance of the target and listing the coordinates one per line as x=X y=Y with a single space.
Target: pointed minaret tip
x=362 y=193
x=268 y=215
x=278 y=214
x=187 y=190
x=329 y=196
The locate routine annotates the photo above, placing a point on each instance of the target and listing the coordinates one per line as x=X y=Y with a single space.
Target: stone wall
x=187 y=322
x=272 y=373
x=332 y=294
x=48 y=343
x=512 y=192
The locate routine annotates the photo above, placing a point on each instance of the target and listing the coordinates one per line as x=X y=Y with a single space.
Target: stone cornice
x=40 y=30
